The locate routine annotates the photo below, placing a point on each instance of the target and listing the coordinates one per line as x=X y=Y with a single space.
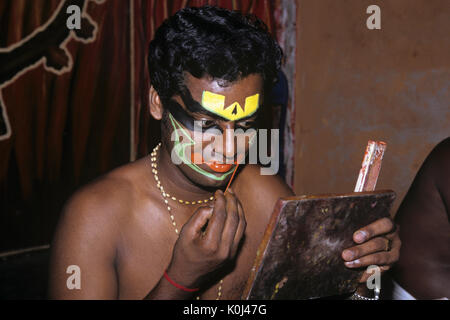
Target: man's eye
x=246 y=124
x=207 y=123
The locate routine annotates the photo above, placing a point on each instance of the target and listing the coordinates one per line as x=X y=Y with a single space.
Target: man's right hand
x=199 y=251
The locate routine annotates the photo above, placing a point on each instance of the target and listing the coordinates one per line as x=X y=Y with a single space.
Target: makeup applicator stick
x=232 y=176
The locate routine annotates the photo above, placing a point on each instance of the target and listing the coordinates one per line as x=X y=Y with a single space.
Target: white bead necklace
x=166 y=197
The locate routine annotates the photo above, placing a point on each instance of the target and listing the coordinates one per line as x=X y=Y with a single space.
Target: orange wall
x=355 y=84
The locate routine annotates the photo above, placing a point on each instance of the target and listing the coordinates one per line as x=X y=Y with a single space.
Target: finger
x=395 y=232
x=240 y=230
x=379 y=258
x=231 y=222
x=198 y=221
x=379 y=227
x=396 y=242
x=217 y=221
x=374 y=245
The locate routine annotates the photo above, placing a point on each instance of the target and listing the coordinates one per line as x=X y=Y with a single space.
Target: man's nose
x=227 y=147
x=230 y=149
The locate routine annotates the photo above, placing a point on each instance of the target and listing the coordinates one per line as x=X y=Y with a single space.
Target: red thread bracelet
x=179 y=286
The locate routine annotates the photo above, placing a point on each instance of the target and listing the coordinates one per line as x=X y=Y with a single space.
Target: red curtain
x=66 y=129
x=148 y=15
x=69 y=129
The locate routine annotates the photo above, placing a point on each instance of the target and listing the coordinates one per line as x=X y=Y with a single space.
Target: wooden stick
x=371 y=165
x=232 y=176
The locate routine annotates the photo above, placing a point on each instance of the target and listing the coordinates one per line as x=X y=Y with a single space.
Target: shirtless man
x=129 y=227
x=424 y=267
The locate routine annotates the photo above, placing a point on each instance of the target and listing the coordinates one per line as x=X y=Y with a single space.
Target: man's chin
x=205 y=180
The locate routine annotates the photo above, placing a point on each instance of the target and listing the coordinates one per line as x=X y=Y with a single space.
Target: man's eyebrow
x=194 y=106
x=253 y=115
x=175 y=107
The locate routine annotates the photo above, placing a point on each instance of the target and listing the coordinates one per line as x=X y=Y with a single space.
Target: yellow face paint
x=215 y=103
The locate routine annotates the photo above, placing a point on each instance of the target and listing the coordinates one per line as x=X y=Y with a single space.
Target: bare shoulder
x=102 y=202
x=87 y=236
x=438 y=162
x=435 y=172
x=251 y=177
x=260 y=191
x=100 y=208
x=442 y=149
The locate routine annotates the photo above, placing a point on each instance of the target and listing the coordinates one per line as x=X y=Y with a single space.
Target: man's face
x=212 y=124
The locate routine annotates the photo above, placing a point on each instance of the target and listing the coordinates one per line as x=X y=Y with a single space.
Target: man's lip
x=219 y=167
x=213 y=165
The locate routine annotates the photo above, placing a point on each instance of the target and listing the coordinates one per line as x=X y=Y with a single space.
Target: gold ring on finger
x=388 y=246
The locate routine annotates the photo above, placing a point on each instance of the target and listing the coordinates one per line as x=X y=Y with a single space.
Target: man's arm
x=425 y=229
x=86 y=238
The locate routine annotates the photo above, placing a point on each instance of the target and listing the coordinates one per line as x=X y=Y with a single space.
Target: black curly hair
x=211 y=41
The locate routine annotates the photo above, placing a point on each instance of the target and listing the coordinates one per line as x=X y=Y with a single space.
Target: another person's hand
x=377 y=244
x=199 y=251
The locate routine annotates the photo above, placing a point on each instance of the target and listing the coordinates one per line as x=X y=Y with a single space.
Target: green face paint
x=180 y=151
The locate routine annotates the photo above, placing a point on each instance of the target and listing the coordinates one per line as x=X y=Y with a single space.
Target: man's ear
x=156 y=108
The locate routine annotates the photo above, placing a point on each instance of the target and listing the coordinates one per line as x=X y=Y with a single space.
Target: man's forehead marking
x=215 y=103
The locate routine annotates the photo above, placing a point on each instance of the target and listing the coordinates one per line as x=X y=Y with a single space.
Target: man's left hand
x=377 y=244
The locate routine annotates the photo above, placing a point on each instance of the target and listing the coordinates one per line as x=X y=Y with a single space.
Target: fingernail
x=352 y=264
x=360 y=236
x=348 y=254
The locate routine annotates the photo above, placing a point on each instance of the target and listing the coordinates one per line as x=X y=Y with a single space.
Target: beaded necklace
x=166 y=197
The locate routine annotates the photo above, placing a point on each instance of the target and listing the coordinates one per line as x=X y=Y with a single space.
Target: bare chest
x=145 y=251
